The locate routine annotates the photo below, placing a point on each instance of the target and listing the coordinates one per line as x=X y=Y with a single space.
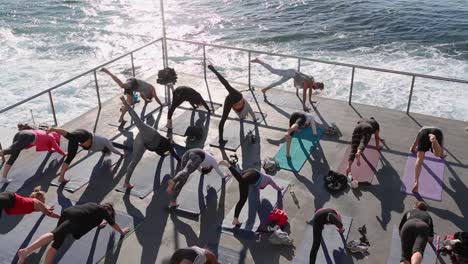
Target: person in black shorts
x=428 y=138
x=322 y=217
x=416 y=229
x=182 y=94
x=76 y=221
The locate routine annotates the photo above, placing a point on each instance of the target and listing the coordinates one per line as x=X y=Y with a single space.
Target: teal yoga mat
x=302 y=144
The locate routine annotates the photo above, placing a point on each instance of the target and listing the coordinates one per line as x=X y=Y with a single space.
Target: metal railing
x=93 y=70
x=348 y=65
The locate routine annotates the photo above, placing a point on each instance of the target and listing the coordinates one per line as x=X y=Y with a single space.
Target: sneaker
x=5 y=180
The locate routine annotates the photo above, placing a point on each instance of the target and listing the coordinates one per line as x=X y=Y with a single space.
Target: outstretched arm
x=56 y=147
x=39 y=206
x=116 y=79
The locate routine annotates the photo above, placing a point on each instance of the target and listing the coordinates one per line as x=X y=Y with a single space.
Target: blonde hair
x=37 y=193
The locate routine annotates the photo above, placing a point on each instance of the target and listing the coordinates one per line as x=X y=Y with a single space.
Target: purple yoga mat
x=431 y=179
x=369 y=162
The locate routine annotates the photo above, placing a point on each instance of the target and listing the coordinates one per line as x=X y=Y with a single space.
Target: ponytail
x=38 y=193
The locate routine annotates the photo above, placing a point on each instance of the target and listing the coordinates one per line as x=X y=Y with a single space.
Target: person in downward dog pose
x=301 y=81
x=76 y=221
x=85 y=139
x=146 y=90
x=428 y=138
x=235 y=101
x=15 y=204
x=192 y=160
x=147 y=138
x=182 y=94
x=322 y=217
x=297 y=121
x=25 y=139
x=362 y=134
x=249 y=177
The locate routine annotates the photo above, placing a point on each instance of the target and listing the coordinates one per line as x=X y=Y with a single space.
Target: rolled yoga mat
x=430 y=253
x=431 y=178
x=255 y=211
x=302 y=144
x=369 y=162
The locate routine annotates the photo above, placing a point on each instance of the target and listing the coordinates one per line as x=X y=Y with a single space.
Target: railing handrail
x=77 y=76
x=324 y=61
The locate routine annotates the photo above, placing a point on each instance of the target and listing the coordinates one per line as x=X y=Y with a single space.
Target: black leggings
x=74 y=139
x=361 y=137
x=7 y=201
x=247 y=178
x=233 y=97
x=414 y=236
x=21 y=141
x=182 y=94
x=321 y=218
x=65 y=226
x=190 y=161
x=424 y=144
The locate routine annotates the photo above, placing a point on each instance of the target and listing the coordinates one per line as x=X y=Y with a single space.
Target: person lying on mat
x=85 y=139
x=234 y=100
x=192 y=160
x=147 y=138
x=301 y=81
x=362 y=134
x=193 y=255
x=15 y=204
x=76 y=221
x=428 y=138
x=249 y=177
x=416 y=229
x=26 y=139
x=146 y=90
x=182 y=94
x=322 y=217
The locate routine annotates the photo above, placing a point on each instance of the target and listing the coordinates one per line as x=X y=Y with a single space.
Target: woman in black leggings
x=249 y=177
x=322 y=217
x=76 y=221
x=416 y=229
x=235 y=101
x=182 y=94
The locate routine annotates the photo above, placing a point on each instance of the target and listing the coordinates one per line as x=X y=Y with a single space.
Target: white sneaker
x=5 y=180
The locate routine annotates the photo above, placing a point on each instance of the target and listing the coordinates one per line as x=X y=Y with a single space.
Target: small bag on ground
x=270 y=165
x=335 y=182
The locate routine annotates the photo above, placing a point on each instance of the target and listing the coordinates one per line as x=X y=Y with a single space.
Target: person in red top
x=15 y=204
x=25 y=139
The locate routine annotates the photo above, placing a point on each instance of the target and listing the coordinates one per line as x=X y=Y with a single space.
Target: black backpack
x=335 y=182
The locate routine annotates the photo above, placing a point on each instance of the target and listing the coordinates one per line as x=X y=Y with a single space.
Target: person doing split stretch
x=322 y=217
x=15 y=204
x=76 y=221
x=146 y=90
x=192 y=160
x=182 y=94
x=428 y=138
x=88 y=141
x=301 y=81
x=249 y=177
x=147 y=138
x=234 y=100
x=362 y=134
x=193 y=255
x=25 y=139
x=416 y=229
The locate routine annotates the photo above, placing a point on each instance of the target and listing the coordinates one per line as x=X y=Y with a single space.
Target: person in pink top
x=15 y=204
x=25 y=139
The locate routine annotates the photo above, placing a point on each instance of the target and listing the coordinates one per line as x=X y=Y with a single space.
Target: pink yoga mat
x=431 y=179
x=369 y=160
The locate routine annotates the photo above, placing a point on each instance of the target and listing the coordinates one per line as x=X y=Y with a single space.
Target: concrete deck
x=379 y=206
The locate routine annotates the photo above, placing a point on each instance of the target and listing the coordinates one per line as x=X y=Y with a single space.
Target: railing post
x=351 y=87
x=97 y=89
x=133 y=66
x=410 y=95
x=250 y=86
x=298 y=69
x=53 y=108
x=204 y=76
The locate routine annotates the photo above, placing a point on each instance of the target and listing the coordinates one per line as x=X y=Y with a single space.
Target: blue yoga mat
x=302 y=144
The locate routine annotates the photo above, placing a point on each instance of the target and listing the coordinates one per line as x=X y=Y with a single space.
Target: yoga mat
x=431 y=178
x=277 y=98
x=302 y=144
x=140 y=108
x=150 y=172
x=191 y=200
x=32 y=167
x=255 y=211
x=233 y=134
x=332 y=248
x=91 y=248
x=369 y=162
x=430 y=254
x=90 y=166
x=184 y=120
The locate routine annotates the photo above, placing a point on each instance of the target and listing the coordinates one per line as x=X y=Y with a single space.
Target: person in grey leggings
x=301 y=81
x=148 y=138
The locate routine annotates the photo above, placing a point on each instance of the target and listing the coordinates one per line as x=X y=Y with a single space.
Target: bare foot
x=415 y=188
x=22 y=254
x=236 y=222
x=256 y=60
x=128 y=186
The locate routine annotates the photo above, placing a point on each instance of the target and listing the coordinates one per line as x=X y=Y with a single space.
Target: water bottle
x=293 y=195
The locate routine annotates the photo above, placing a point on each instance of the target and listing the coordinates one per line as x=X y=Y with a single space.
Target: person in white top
x=297 y=121
x=192 y=160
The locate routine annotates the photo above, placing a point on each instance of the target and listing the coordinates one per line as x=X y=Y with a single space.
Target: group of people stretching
x=80 y=219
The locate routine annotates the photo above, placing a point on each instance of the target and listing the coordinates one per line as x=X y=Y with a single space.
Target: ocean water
x=45 y=42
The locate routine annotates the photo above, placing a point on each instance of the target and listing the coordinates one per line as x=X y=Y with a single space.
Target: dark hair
x=421 y=206
x=206 y=170
x=110 y=207
x=320 y=85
